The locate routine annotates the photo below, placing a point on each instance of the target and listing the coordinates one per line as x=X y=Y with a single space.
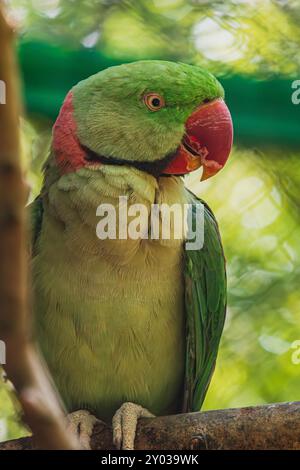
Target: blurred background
x=253 y=47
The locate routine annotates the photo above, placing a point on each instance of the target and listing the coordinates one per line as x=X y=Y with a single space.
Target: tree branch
x=274 y=426
x=42 y=410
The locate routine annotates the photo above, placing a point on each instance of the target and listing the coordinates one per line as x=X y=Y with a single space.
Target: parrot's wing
x=205 y=306
x=35 y=212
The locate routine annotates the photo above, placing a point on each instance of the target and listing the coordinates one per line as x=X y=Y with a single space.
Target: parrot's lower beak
x=207 y=141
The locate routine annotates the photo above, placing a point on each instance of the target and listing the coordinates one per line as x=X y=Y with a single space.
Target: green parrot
x=130 y=327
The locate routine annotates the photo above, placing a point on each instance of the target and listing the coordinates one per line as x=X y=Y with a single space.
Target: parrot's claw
x=124 y=424
x=82 y=423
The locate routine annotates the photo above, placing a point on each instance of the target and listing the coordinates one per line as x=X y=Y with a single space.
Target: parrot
x=130 y=327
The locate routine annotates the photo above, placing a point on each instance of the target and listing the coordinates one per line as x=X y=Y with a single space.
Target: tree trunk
x=41 y=407
x=268 y=427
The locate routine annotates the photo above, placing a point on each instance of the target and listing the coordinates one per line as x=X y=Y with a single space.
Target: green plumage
x=126 y=320
x=205 y=307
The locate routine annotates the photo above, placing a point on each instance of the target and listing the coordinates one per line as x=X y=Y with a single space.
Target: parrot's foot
x=82 y=423
x=124 y=424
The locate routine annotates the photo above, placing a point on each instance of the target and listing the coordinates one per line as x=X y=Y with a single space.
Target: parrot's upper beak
x=207 y=141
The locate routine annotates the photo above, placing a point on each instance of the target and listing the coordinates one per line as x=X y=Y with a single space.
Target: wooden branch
x=261 y=427
x=42 y=410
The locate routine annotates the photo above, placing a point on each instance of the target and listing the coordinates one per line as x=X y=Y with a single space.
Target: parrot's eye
x=153 y=101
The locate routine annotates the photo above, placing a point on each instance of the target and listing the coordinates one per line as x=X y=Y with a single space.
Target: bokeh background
x=253 y=47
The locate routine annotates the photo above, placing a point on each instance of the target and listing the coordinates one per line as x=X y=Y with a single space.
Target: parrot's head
x=160 y=117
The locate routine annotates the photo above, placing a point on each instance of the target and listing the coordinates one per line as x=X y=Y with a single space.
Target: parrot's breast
x=110 y=313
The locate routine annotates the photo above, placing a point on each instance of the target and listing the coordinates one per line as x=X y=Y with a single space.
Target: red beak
x=207 y=141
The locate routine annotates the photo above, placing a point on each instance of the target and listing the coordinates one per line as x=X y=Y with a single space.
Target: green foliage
x=255 y=198
x=10 y=424
x=258 y=36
